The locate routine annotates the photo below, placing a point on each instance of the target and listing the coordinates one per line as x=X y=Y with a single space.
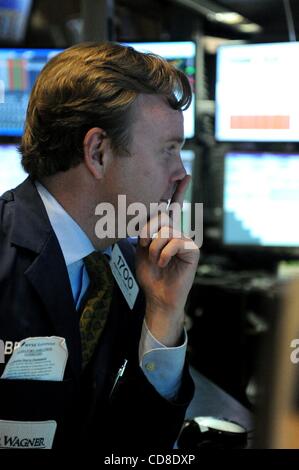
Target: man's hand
x=165 y=269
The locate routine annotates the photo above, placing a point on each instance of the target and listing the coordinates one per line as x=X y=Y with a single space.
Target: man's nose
x=179 y=173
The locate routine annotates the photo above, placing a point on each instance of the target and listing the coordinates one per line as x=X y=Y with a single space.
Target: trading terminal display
x=261 y=199
x=19 y=69
x=257 y=93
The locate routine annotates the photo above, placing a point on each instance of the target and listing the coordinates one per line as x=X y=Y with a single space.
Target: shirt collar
x=73 y=241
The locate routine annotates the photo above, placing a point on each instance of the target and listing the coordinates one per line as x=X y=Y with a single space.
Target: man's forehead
x=155 y=111
x=156 y=104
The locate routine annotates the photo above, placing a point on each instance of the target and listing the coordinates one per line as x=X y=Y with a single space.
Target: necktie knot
x=98 y=269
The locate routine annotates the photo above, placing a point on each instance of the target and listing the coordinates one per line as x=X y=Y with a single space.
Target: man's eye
x=170 y=149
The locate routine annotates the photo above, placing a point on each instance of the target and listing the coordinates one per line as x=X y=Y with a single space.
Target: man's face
x=153 y=169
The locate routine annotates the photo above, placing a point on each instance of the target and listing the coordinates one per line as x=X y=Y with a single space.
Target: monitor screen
x=11 y=171
x=261 y=199
x=14 y=15
x=257 y=93
x=182 y=55
x=18 y=71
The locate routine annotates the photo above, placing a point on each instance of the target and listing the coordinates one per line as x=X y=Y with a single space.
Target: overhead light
x=249 y=28
x=238 y=21
x=229 y=17
x=217 y=13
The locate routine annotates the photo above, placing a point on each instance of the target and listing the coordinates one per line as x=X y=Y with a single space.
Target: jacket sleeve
x=141 y=418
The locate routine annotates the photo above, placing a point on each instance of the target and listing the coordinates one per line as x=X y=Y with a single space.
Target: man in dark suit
x=102 y=121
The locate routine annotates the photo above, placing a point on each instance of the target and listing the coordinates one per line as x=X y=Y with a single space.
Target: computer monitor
x=14 y=16
x=261 y=199
x=257 y=93
x=11 y=171
x=18 y=71
x=181 y=54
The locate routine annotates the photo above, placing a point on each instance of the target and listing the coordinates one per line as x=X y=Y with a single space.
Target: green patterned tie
x=96 y=303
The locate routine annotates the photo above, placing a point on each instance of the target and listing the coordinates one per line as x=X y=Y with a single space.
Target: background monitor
x=261 y=199
x=257 y=93
x=14 y=16
x=11 y=171
x=181 y=54
x=19 y=69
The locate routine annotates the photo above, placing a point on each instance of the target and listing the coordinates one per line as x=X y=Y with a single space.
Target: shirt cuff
x=162 y=365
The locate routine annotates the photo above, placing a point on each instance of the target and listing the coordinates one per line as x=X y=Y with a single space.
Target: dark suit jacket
x=36 y=300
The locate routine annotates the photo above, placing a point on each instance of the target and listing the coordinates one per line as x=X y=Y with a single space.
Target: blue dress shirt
x=161 y=365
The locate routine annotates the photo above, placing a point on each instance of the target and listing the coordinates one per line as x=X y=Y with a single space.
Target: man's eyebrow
x=179 y=140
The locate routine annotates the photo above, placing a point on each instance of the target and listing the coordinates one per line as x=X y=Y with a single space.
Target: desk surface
x=211 y=400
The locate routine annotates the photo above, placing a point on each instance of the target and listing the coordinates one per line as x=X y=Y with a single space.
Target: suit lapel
x=47 y=274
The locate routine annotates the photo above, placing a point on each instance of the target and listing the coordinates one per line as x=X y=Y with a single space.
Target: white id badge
x=38 y=358
x=124 y=276
x=27 y=434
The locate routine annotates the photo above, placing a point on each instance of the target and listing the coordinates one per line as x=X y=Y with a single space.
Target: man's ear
x=94 y=146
